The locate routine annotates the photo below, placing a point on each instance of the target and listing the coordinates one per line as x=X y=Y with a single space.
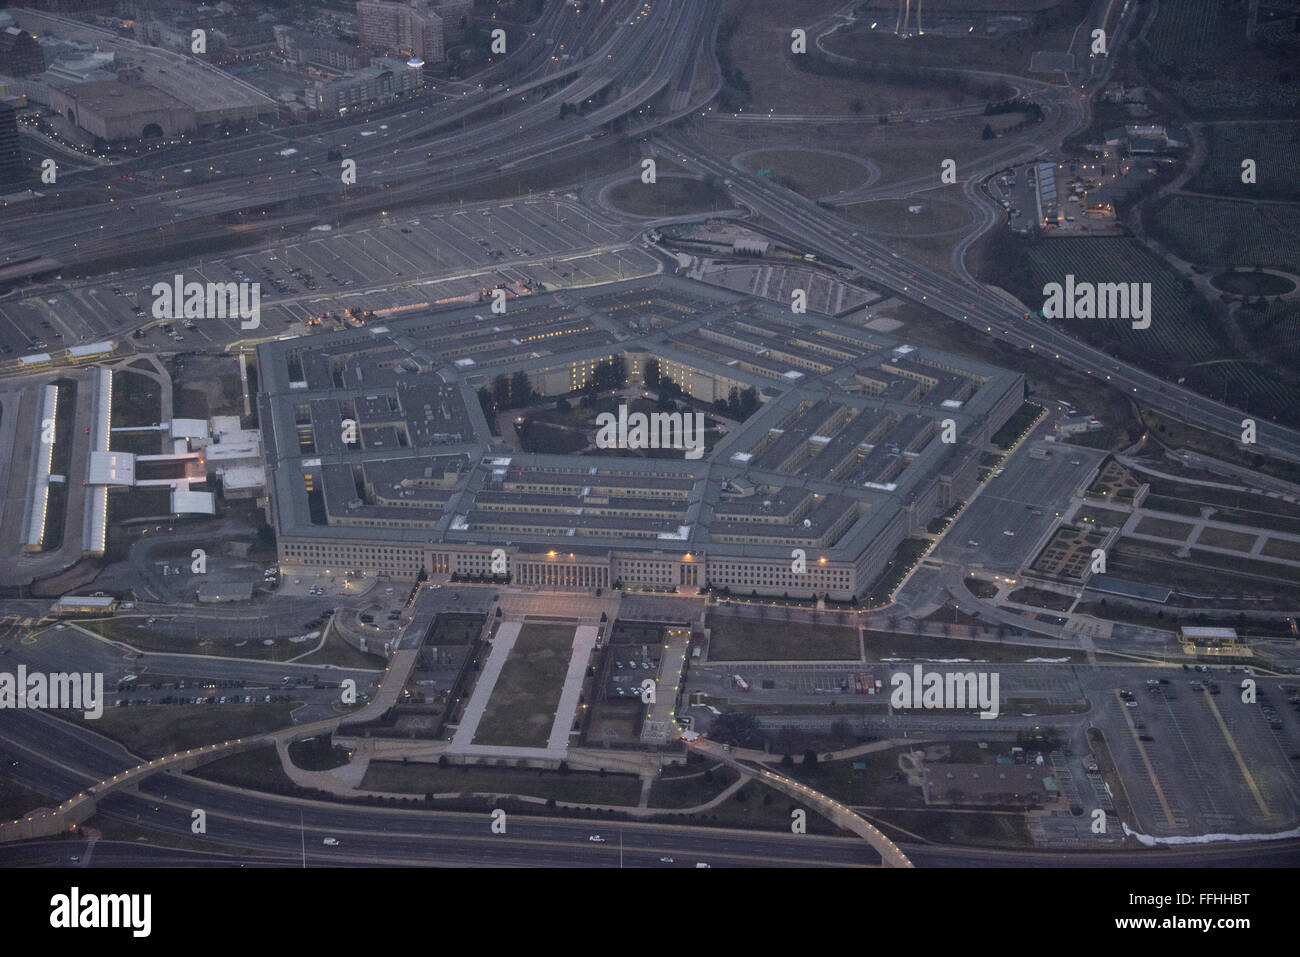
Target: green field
x=1182 y=326
x=587 y=787
x=1207 y=61
x=259 y=769
x=1242 y=283
x=1163 y=528
x=698 y=782
x=154 y=731
x=810 y=173
x=1244 y=235
x=762 y=76
x=747 y=639
x=537 y=436
x=1282 y=548
x=1103 y=517
x=1041 y=598
x=522 y=707
x=890 y=217
x=1275 y=148
x=336 y=651
x=456 y=629
x=669 y=196
x=1223 y=538
x=1007 y=53
x=980 y=588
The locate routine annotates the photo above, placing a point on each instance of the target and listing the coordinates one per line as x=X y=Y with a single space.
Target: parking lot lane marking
x=1142 y=752
x=1241 y=764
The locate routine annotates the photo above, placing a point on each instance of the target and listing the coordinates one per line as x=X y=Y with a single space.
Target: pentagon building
x=380 y=458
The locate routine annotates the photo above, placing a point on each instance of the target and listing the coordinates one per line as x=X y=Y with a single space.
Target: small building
x=70 y=605
x=1077 y=424
x=1198 y=640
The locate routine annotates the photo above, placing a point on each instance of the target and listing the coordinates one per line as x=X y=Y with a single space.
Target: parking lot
x=1000 y=530
x=1195 y=759
x=390 y=263
x=631 y=667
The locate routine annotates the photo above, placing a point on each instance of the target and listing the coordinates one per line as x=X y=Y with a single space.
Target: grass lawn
x=154 y=731
x=1176 y=434
x=16 y=800
x=1252 y=283
x=318 y=753
x=811 y=174
x=456 y=629
x=551 y=439
x=258 y=769
x=522 y=707
x=1222 y=538
x=760 y=807
x=879 y=782
x=146 y=639
x=760 y=50
x=669 y=196
x=1104 y=517
x=574 y=786
x=882 y=646
x=980 y=588
x=1282 y=548
x=986 y=828
x=700 y=781
x=136 y=401
x=745 y=639
x=1041 y=598
x=1163 y=528
x=890 y=217
x=1009 y=52
x=336 y=651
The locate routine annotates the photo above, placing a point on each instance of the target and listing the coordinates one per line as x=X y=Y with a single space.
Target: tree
x=988 y=133
x=809 y=759
x=521 y=389
x=563 y=406
x=651 y=373
x=737 y=729
x=787 y=761
x=501 y=392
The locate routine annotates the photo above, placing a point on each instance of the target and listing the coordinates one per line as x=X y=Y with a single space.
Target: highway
x=454 y=143
x=835 y=238
x=256 y=828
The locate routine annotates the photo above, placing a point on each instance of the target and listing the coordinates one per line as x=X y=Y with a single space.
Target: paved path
x=505 y=639
x=584 y=640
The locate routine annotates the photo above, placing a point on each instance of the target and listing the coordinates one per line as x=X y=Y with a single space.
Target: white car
x=596 y=839
x=1008 y=532
x=665 y=860
x=331 y=842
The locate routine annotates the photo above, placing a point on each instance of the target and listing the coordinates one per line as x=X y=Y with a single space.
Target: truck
x=740 y=682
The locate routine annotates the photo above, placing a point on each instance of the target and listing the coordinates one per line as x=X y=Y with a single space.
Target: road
x=972 y=304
